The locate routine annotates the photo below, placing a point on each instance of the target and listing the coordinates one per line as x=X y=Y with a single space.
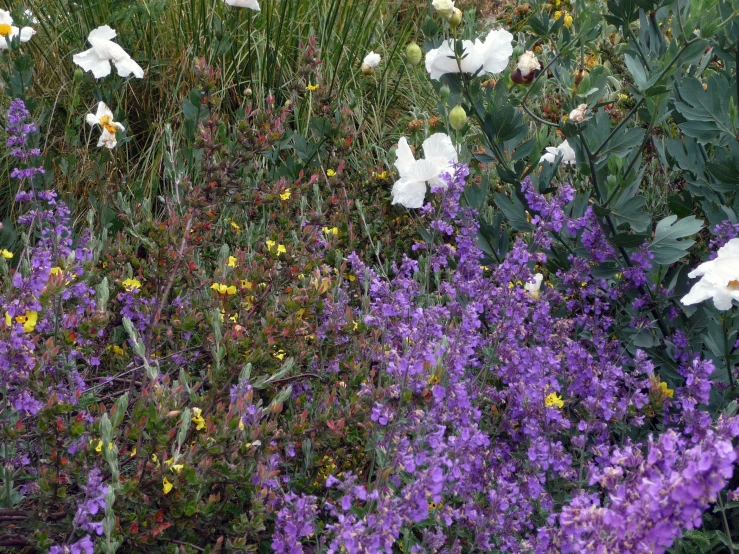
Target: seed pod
x=413 y=53
x=458 y=118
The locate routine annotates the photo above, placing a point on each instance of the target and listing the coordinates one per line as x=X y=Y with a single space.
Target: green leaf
x=514 y=211
x=669 y=244
x=705 y=110
x=637 y=71
x=629 y=241
x=622 y=145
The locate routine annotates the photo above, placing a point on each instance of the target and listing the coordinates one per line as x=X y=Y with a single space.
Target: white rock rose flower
x=719 y=278
x=370 y=62
x=251 y=4
x=104 y=118
x=104 y=51
x=568 y=154
x=8 y=31
x=532 y=289
x=439 y=157
x=489 y=56
x=445 y=8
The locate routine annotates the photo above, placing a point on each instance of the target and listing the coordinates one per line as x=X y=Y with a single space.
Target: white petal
x=108 y=50
x=497 y=50
x=568 y=152
x=439 y=148
x=731 y=248
x=701 y=291
x=409 y=194
x=127 y=67
x=27 y=33
x=372 y=60
x=423 y=170
x=251 y=4
x=405 y=158
x=722 y=299
x=442 y=60
x=107 y=139
x=89 y=61
x=92 y=119
x=104 y=32
x=103 y=110
x=5 y=18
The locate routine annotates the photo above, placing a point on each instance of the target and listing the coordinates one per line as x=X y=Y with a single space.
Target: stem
x=729 y=366
x=726 y=523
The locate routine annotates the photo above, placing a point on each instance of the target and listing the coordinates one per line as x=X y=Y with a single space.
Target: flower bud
x=579 y=75
x=456 y=18
x=445 y=8
x=458 y=118
x=78 y=74
x=578 y=114
x=366 y=69
x=413 y=53
x=444 y=92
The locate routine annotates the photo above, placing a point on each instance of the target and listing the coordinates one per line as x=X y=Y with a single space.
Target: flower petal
x=439 y=148
x=27 y=33
x=701 y=291
x=251 y=4
x=409 y=194
x=442 y=60
x=90 y=61
x=127 y=67
x=6 y=18
x=104 y=32
x=404 y=159
x=497 y=50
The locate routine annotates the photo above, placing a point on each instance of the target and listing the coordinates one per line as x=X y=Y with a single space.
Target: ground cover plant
x=321 y=276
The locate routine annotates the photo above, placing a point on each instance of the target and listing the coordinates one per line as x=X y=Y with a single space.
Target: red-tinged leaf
x=159 y=528
x=159 y=517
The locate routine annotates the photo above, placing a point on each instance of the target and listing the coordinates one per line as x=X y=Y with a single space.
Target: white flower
x=445 y=8
x=568 y=154
x=578 y=114
x=104 y=118
x=8 y=31
x=490 y=56
x=251 y=4
x=439 y=155
x=532 y=289
x=97 y=59
x=370 y=62
x=528 y=63
x=719 y=278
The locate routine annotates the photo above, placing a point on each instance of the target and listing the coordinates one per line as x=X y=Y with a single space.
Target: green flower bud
x=78 y=74
x=456 y=18
x=444 y=92
x=458 y=118
x=413 y=53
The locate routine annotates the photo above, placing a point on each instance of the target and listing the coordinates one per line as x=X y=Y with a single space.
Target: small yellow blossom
x=154 y=458
x=117 y=350
x=231 y=261
x=331 y=231
x=223 y=289
x=7 y=254
x=28 y=321
x=281 y=249
x=235 y=227
x=285 y=195
x=554 y=400
x=99 y=447
x=312 y=88
x=280 y=354
x=131 y=284
x=133 y=452
x=177 y=468
x=167 y=486
x=197 y=419
x=355 y=326
x=568 y=18
x=331 y=173
x=270 y=244
x=622 y=96
x=246 y=284
x=665 y=391
x=383 y=175
x=241 y=424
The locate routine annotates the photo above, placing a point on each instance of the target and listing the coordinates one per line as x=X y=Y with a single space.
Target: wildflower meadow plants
x=389 y=279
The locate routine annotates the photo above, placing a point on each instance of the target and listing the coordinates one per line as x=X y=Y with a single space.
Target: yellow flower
x=622 y=96
x=167 y=486
x=7 y=254
x=241 y=424
x=235 y=227
x=177 y=468
x=154 y=458
x=117 y=350
x=554 y=400
x=285 y=195
x=331 y=231
x=56 y=271
x=197 y=419
x=311 y=88
x=280 y=354
x=231 y=261
x=331 y=173
x=28 y=321
x=131 y=284
x=281 y=249
x=246 y=284
x=223 y=289
x=355 y=326
x=99 y=447
x=383 y=175
x=270 y=244
x=133 y=452
x=665 y=391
